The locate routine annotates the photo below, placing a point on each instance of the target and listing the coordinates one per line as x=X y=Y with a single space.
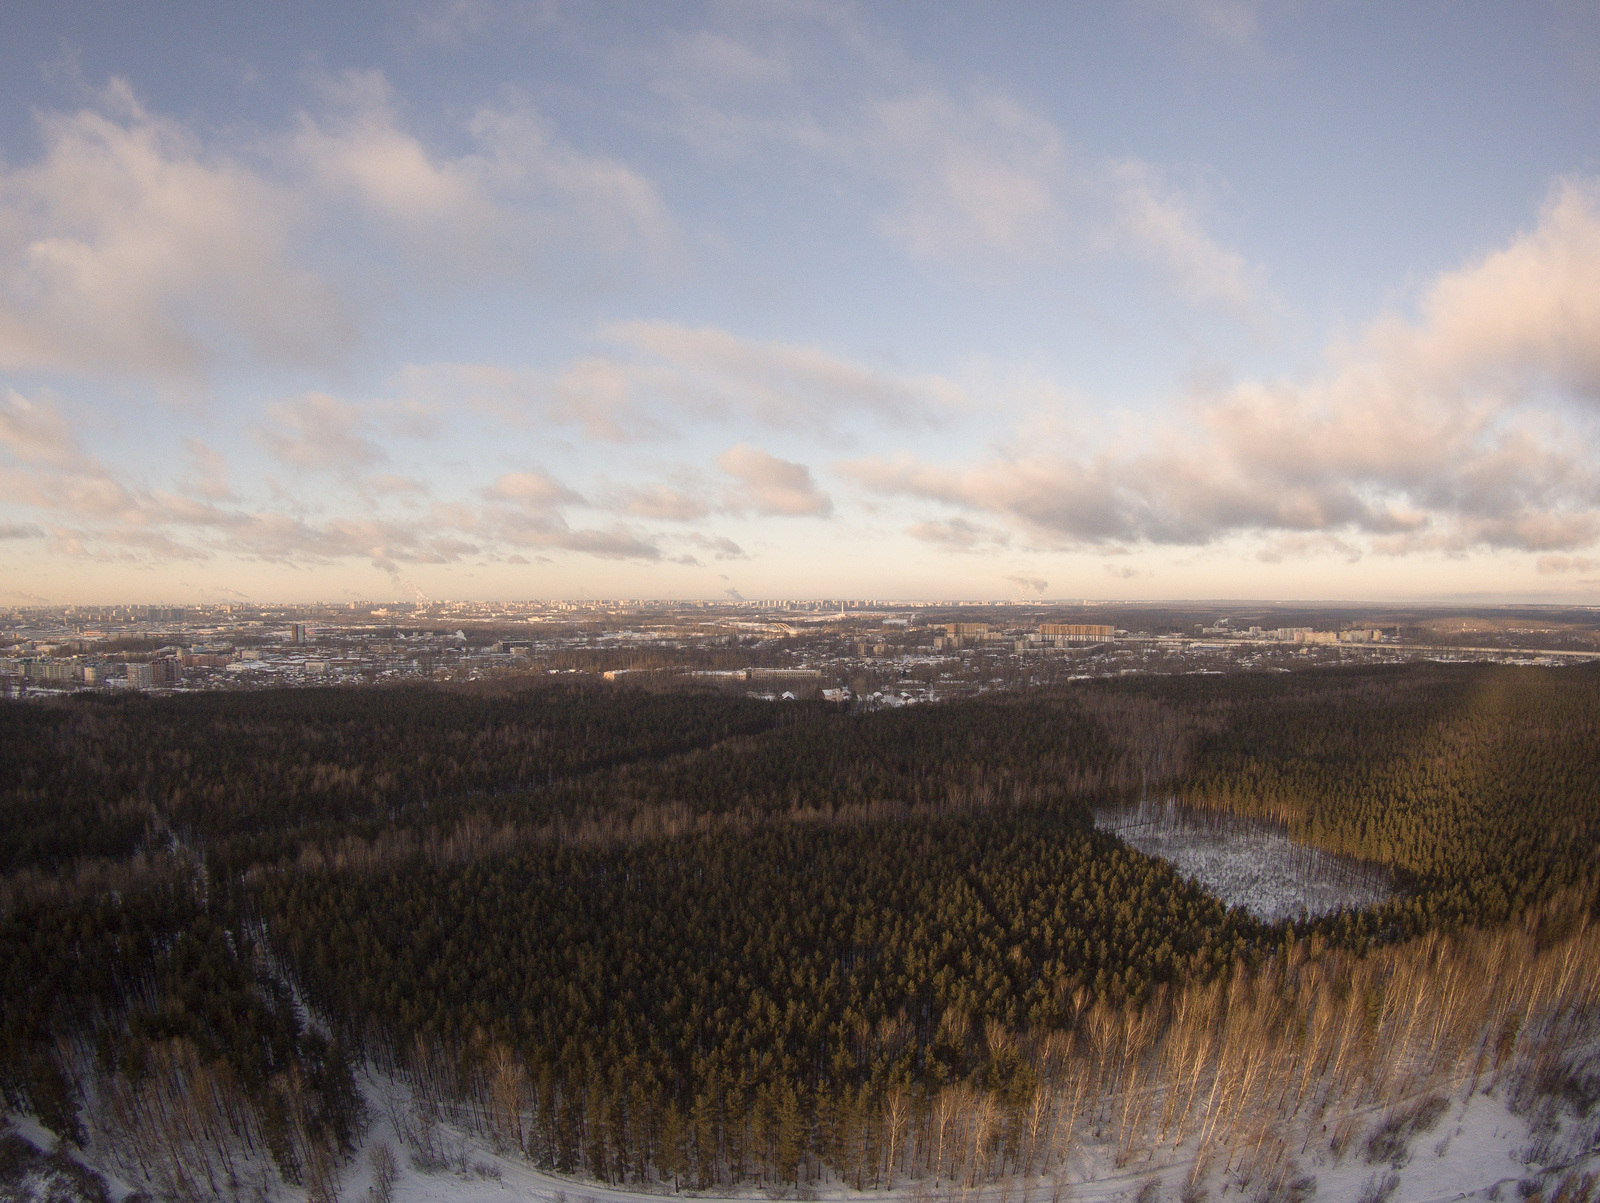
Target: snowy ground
x=1245 y=862
x=1476 y=1150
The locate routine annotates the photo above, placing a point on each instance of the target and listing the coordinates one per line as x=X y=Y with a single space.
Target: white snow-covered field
x=1246 y=862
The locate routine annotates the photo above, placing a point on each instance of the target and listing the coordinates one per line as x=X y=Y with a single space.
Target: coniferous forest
x=689 y=941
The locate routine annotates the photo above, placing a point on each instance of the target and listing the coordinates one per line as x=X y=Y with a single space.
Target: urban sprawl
x=871 y=652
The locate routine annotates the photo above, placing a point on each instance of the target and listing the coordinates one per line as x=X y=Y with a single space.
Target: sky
x=1152 y=299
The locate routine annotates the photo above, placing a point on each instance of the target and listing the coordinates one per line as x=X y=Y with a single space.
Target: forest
x=690 y=941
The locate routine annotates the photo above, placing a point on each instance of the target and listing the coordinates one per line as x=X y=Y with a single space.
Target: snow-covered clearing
x=1246 y=862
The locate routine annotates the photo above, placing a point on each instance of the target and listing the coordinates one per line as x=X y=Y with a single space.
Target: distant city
x=870 y=652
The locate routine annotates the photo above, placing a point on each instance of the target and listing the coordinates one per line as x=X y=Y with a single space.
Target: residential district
x=871 y=652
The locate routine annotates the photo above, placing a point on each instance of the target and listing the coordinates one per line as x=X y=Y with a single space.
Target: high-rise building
x=1065 y=633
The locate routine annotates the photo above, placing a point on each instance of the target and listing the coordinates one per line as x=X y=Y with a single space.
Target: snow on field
x=1247 y=862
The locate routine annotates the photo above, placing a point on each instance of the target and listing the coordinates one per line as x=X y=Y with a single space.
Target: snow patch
x=1248 y=862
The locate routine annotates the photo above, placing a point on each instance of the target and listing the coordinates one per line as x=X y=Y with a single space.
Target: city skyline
x=1179 y=299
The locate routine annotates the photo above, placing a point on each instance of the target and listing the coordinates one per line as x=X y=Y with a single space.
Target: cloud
x=209 y=472
x=1154 y=221
x=127 y=249
x=972 y=178
x=984 y=179
x=653 y=373
x=1472 y=425
x=521 y=194
x=985 y=174
x=1029 y=584
x=663 y=503
x=715 y=60
x=771 y=486
x=782 y=384
x=1524 y=316
x=598 y=394
x=453 y=21
x=1280 y=547
x=1233 y=22
x=617 y=543
x=20 y=531
x=525 y=514
x=317 y=431
x=957 y=534
x=92 y=514
x=613 y=543
x=33 y=433
x=720 y=546
x=43 y=464
x=390 y=485
x=1548 y=565
x=163 y=527
x=532 y=490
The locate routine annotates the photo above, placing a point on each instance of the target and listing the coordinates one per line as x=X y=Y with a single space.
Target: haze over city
x=1158 y=299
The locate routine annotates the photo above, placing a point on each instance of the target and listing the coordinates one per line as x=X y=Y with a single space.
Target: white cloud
x=318 y=431
x=532 y=490
x=1525 y=316
x=782 y=384
x=770 y=486
x=521 y=195
x=33 y=433
x=662 y=502
x=1235 y=22
x=90 y=513
x=1153 y=221
x=975 y=178
x=602 y=396
x=549 y=531
x=209 y=477
x=43 y=464
x=126 y=248
x=524 y=512
x=957 y=534
x=1564 y=564
x=390 y=484
x=659 y=372
x=720 y=546
x=1471 y=426
x=130 y=247
x=984 y=177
